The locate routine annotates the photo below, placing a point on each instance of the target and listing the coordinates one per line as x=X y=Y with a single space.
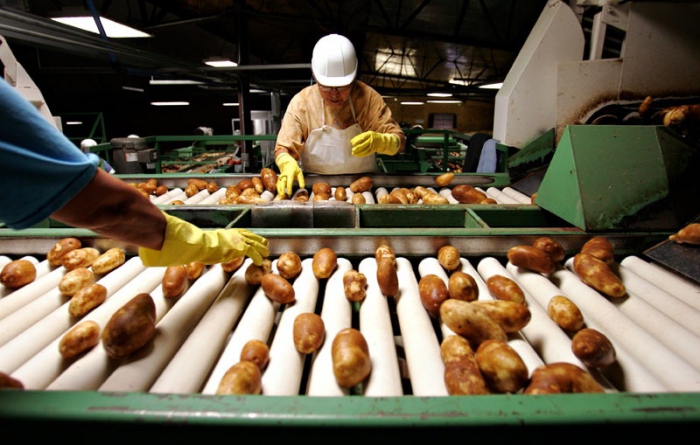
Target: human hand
x=289 y=171
x=369 y=142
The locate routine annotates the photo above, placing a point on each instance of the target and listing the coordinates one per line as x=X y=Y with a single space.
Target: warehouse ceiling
x=408 y=47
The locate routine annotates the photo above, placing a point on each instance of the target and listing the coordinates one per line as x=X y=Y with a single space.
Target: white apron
x=328 y=151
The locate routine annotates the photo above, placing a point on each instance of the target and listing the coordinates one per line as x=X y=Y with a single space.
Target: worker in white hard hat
x=85 y=145
x=336 y=125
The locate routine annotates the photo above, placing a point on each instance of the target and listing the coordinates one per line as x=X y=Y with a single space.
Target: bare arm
x=112 y=208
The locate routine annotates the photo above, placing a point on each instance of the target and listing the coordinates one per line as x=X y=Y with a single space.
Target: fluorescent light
x=221 y=63
x=411 y=103
x=444 y=101
x=440 y=94
x=74 y=123
x=174 y=82
x=138 y=90
x=112 y=29
x=230 y=104
x=492 y=86
x=255 y=90
x=166 y=104
x=466 y=83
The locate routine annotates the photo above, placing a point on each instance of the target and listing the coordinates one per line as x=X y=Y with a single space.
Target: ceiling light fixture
x=440 y=94
x=74 y=123
x=492 y=86
x=444 y=101
x=174 y=82
x=138 y=90
x=112 y=29
x=230 y=104
x=170 y=104
x=220 y=63
x=411 y=103
x=463 y=82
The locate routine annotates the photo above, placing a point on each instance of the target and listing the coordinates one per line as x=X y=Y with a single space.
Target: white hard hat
x=85 y=145
x=334 y=62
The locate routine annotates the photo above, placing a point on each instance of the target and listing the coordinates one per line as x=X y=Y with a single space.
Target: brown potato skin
x=321 y=188
x=503 y=288
x=431 y=198
x=593 y=348
x=350 y=357
x=83 y=336
x=689 y=234
x=531 y=258
x=175 y=281
x=83 y=257
x=130 y=327
x=444 y=179
x=385 y=252
x=466 y=194
x=17 y=273
x=8 y=382
x=324 y=263
x=269 y=179
x=388 y=198
x=462 y=375
x=509 y=315
x=309 y=331
x=433 y=292
x=599 y=247
x=565 y=313
x=194 y=269
x=256 y=351
x=358 y=198
x=289 y=265
x=551 y=247
x=87 y=299
x=242 y=378
x=254 y=273
x=62 y=247
x=561 y=377
x=340 y=194
x=233 y=265
x=258 y=184
x=454 y=348
x=462 y=286
x=277 y=288
x=75 y=280
x=354 y=285
x=470 y=321
x=501 y=366
x=449 y=257
x=362 y=184
x=387 y=278
x=108 y=261
x=597 y=274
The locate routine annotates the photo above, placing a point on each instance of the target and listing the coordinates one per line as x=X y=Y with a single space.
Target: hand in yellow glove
x=289 y=171
x=185 y=243
x=372 y=142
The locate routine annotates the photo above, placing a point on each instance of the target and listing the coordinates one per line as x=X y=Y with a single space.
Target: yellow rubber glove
x=185 y=243
x=289 y=171
x=372 y=142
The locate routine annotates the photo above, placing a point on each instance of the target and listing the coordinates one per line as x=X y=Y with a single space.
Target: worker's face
x=335 y=96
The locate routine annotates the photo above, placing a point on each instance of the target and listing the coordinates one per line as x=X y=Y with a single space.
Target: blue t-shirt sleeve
x=41 y=166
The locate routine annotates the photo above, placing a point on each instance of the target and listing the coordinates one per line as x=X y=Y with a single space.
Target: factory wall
x=471 y=116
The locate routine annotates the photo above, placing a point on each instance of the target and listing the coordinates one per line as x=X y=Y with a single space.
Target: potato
x=301 y=195
x=599 y=247
x=321 y=188
x=269 y=179
x=689 y=234
x=509 y=315
x=388 y=198
x=108 y=261
x=161 y=190
x=597 y=274
x=277 y=288
x=191 y=190
x=444 y=179
x=433 y=292
x=350 y=357
x=83 y=257
x=501 y=366
x=130 y=327
x=358 y=198
x=470 y=321
x=75 y=280
x=241 y=378
x=431 y=198
x=256 y=351
x=212 y=187
x=387 y=278
x=340 y=194
x=385 y=252
x=9 y=382
x=324 y=263
x=244 y=184
x=462 y=375
x=62 y=247
x=254 y=272
x=174 y=281
x=83 y=336
x=363 y=184
x=448 y=257
x=321 y=197
x=565 y=313
x=531 y=258
x=561 y=377
x=309 y=331
x=233 y=265
x=354 y=285
x=466 y=194
x=198 y=183
x=462 y=286
x=593 y=348
x=194 y=269
x=232 y=191
x=289 y=265
x=17 y=273
x=551 y=247
x=503 y=288
x=87 y=299
x=400 y=195
x=258 y=185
